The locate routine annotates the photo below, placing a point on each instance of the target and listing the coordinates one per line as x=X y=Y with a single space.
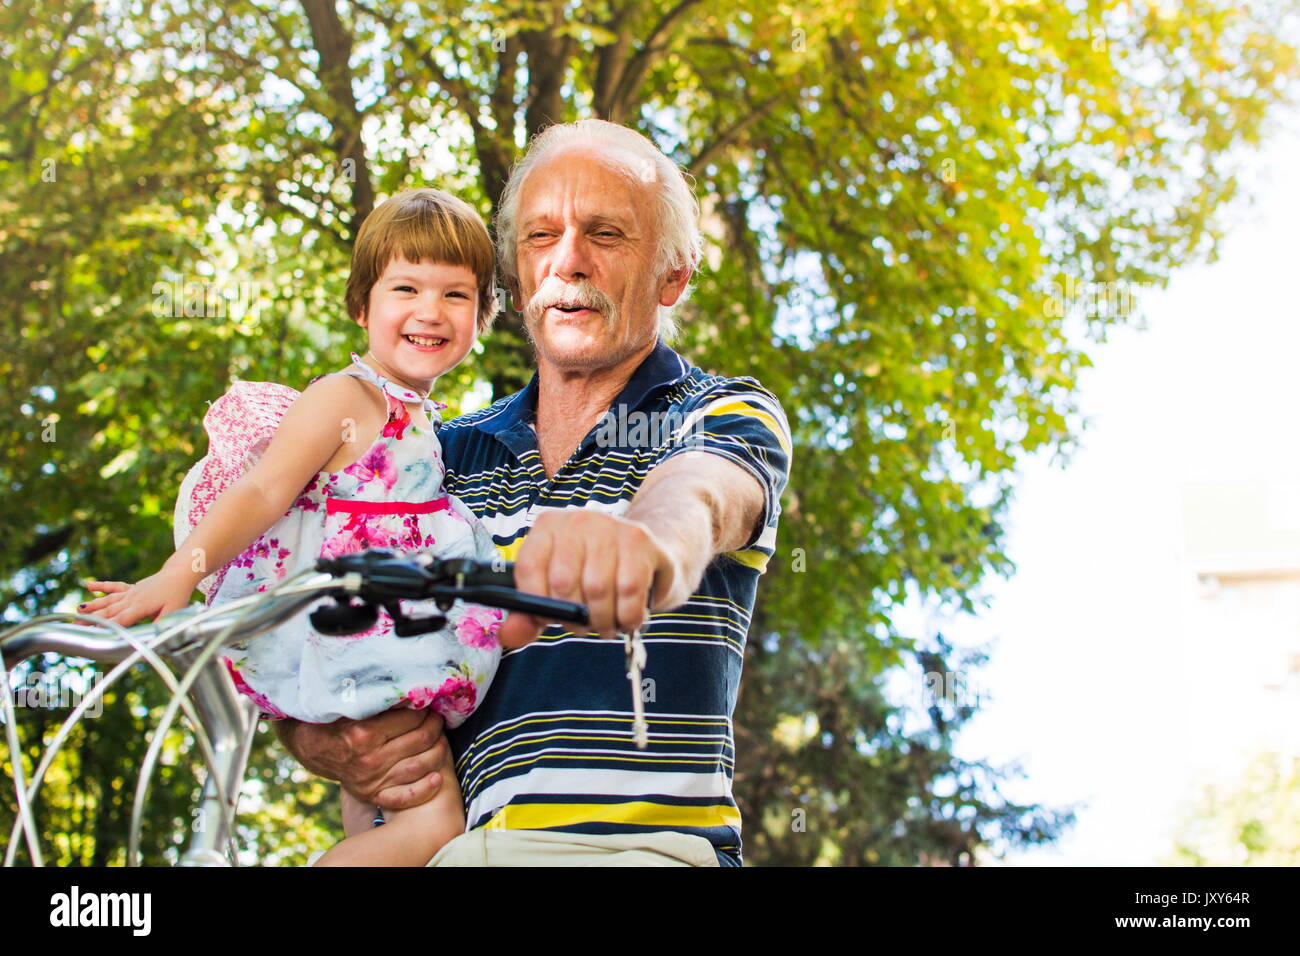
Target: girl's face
x=422 y=318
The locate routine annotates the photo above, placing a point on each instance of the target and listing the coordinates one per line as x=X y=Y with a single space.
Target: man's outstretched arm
x=689 y=510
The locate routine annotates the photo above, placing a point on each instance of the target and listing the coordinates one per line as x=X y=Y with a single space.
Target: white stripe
x=767 y=540
x=488 y=418
x=615 y=714
x=506 y=751
x=622 y=783
x=751 y=398
x=705 y=640
x=507 y=526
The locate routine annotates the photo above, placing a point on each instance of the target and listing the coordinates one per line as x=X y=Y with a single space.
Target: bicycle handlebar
x=375 y=577
x=222 y=720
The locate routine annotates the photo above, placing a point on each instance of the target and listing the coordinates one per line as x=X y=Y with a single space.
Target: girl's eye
x=405 y=288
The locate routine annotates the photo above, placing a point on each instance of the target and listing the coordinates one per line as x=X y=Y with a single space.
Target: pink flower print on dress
x=259 y=699
x=420 y=697
x=456 y=696
x=478 y=628
x=377 y=463
x=305 y=501
x=397 y=423
x=361 y=532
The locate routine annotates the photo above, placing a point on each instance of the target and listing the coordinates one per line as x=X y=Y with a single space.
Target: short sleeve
x=744 y=423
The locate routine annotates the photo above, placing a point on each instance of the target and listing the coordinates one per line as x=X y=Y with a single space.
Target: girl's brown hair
x=423 y=225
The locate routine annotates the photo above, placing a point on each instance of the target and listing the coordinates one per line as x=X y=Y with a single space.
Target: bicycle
x=224 y=721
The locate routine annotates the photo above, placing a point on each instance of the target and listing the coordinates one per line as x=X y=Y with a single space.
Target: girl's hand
x=151 y=598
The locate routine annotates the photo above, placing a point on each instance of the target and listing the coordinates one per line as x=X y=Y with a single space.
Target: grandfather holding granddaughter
x=621 y=477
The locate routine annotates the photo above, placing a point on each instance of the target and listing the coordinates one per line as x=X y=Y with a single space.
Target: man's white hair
x=679 y=212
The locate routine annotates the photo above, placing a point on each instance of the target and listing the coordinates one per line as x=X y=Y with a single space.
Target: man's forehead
x=558 y=184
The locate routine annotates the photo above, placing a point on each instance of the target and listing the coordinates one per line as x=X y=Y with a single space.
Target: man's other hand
x=393 y=760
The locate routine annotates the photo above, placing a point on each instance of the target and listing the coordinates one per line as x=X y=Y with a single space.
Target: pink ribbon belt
x=336 y=505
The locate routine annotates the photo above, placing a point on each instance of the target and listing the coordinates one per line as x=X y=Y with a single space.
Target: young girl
x=354 y=463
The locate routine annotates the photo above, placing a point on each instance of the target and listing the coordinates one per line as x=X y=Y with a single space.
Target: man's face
x=587 y=238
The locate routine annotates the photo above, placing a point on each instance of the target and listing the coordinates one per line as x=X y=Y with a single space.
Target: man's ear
x=516 y=298
x=674 y=284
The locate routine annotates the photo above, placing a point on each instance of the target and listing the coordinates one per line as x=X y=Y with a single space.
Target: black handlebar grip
x=509 y=599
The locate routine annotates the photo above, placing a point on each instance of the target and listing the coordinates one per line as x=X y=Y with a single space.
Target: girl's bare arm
x=312 y=430
x=408 y=838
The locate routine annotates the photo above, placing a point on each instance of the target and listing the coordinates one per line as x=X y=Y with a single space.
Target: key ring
x=634 y=653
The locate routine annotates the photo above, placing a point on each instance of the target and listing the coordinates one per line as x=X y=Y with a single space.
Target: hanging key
x=634 y=649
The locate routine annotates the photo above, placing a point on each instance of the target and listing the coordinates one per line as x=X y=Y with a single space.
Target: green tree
x=1252 y=821
x=916 y=217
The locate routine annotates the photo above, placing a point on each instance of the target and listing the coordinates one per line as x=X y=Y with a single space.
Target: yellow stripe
x=751 y=559
x=510 y=551
x=740 y=408
x=543 y=816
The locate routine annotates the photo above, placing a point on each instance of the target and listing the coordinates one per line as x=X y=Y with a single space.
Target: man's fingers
x=519 y=629
x=414 y=780
x=395 y=725
x=409 y=795
x=532 y=576
x=532 y=562
x=599 y=591
x=565 y=574
x=402 y=751
x=635 y=578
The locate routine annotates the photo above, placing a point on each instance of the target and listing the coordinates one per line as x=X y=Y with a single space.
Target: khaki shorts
x=496 y=847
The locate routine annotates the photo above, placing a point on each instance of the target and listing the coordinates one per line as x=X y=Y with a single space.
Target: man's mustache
x=557 y=292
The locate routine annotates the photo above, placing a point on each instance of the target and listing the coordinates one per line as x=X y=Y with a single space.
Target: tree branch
x=634 y=74
x=548 y=60
x=611 y=60
x=334 y=47
x=732 y=133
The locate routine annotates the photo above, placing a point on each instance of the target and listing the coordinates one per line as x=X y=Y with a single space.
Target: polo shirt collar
x=662 y=368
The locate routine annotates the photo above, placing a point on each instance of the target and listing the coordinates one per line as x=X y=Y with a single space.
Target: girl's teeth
x=423 y=342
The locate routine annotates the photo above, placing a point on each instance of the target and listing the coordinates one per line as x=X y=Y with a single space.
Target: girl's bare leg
x=408 y=838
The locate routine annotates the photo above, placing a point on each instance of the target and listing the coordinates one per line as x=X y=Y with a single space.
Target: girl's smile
x=422 y=320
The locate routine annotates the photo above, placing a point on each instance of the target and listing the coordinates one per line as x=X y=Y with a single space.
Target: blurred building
x=1239 y=622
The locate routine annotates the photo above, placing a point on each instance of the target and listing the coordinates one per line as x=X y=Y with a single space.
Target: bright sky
x=1085 y=676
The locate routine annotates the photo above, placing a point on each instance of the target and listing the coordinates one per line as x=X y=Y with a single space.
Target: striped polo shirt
x=551 y=745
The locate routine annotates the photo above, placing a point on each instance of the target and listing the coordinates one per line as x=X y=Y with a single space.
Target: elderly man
x=620 y=473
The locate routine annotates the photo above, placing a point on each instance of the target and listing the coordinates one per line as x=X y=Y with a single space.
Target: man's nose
x=569 y=257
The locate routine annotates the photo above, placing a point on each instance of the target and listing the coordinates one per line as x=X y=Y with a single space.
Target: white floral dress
x=391 y=497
